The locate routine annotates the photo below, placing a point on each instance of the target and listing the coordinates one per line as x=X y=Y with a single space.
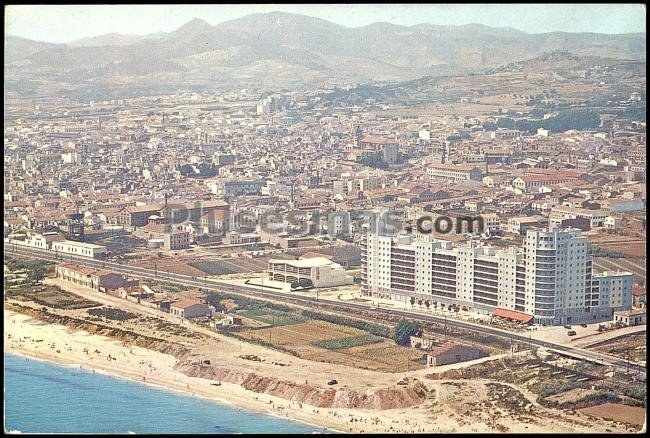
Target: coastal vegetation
x=112 y=313
x=35 y=269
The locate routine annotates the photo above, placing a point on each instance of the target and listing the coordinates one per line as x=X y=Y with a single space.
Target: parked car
x=332 y=382
x=571 y=333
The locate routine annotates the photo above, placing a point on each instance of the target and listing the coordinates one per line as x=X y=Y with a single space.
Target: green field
x=272 y=317
x=217 y=267
x=348 y=342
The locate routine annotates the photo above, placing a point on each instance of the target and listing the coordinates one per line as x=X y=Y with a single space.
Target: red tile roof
x=183 y=304
x=513 y=315
x=375 y=139
x=442 y=348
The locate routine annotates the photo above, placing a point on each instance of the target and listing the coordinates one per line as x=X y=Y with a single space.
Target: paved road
x=215 y=285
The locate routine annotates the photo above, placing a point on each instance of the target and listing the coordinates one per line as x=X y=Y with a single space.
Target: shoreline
x=217 y=400
x=32 y=338
x=164 y=377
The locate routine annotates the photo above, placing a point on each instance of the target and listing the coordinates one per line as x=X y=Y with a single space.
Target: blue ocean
x=42 y=397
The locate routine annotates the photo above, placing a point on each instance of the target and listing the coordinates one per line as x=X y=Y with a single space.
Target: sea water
x=43 y=397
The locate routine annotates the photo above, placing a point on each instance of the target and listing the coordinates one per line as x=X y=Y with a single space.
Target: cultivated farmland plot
x=326 y=342
x=272 y=317
x=218 y=267
x=354 y=341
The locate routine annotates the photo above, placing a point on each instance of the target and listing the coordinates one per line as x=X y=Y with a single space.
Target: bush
x=637 y=393
x=111 y=313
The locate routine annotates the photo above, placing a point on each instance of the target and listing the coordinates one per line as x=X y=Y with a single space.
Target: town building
x=455 y=172
x=630 y=317
x=98 y=279
x=176 y=240
x=189 y=308
x=550 y=277
x=597 y=218
x=452 y=352
x=528 y=183
x=79 y=248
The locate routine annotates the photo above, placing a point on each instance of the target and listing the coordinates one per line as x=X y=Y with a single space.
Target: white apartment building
x=612 y=288
x=550 y=277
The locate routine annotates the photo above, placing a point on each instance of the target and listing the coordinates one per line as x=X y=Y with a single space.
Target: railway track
x=352 y=308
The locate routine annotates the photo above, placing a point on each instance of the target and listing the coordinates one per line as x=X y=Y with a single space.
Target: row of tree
x=564 y=121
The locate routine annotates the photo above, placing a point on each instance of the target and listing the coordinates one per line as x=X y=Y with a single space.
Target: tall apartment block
x=549 y=277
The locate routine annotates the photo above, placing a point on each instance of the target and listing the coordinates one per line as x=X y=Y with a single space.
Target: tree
x=489 y=126
x=506 y=123
x=37 y=274
x=419 y=302
x=404 y=330
x=427 y=303
x=412 y=301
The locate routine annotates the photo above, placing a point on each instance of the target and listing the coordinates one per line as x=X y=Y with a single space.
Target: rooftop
x=183 y=304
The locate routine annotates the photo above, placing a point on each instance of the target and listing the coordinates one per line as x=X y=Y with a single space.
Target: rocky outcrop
x=407 y=396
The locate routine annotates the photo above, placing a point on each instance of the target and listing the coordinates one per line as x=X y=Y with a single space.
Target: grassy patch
x=217 y=268
x=272 y=316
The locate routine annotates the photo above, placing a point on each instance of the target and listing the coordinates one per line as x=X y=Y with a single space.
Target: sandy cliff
x=407 y=396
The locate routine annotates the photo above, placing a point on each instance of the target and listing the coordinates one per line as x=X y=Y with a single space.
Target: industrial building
x=321 y=271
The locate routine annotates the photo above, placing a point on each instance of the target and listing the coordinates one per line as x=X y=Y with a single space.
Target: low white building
x=597 y=218
x=79 y=248
x=321 y=271
x=631 y=317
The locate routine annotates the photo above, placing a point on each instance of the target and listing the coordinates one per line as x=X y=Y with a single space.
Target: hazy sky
x=56 y=23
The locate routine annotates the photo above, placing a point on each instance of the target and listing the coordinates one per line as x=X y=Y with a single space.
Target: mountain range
x=287 y=50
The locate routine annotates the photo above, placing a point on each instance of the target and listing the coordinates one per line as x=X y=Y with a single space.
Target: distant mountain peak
x=194 y=25
x=289 y=49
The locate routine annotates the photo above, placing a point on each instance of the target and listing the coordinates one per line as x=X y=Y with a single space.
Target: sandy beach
x=30 y=337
